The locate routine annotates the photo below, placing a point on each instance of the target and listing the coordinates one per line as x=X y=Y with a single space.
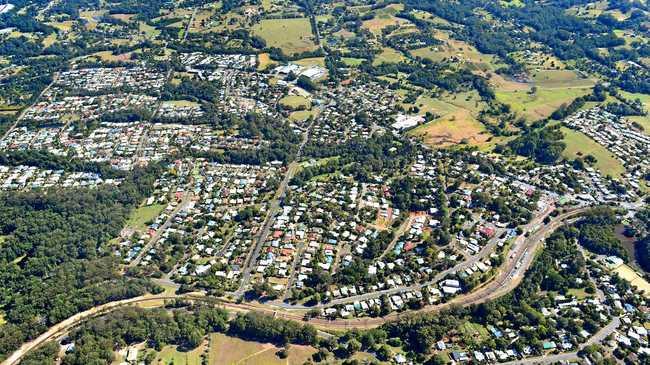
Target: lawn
x=290 y=35
x=379 y=22
x=459 y=49
x=349 y=61
x=388 y=55
x=2 y=319
x=310 y=62
x=230 y=350
x=474 y=330
x=295 y=102
x=182 y=103
x=542 y=103
x=144 y=214
x=433 y=105
x=578 y=293
x=580 y=144
x=148 y=30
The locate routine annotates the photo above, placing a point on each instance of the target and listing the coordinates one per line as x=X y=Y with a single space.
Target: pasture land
x=388 y=55
x=459 y=127
x=290 y=35
x=542 y=103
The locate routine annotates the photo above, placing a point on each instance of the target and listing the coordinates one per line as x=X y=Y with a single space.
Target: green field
x=350 y=61
x=388 y=55
x=302 y=115
x=290 y=35
x=580 y=144
x=295 y=102
x=144 y=214
x=474 y=330
x=549 y=79
x=541 y=104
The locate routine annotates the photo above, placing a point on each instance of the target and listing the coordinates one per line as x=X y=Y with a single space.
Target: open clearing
x=142 y=215
x=226 y=350
x=579 y=144
x=634 y=278
x=542 y=103
x=290 y=35
x=549 y=79
x=644 y=120
x=295 y=102
x=388 y=55
x=170 y=355
x=453 y=128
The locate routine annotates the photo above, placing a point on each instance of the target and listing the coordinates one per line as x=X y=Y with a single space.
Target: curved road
x=508 y=278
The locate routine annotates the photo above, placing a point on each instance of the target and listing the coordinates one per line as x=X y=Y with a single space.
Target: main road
x=507 y=279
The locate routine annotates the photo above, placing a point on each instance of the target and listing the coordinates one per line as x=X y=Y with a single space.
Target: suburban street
x=508 y=278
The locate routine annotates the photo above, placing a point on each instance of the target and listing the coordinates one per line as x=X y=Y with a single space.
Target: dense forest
x=53 y=264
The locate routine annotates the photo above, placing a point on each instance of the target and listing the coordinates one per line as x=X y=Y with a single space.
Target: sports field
x=295 y=102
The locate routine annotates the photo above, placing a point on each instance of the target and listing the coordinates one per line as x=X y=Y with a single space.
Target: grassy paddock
x=580 y=144
x=290 y=35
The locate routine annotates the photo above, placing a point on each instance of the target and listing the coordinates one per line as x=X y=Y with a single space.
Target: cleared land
x=226 y=350
x=388 y=55
x=579 y=144
x=550 y=79
x=453 y=128
x=634 y=278
x=170 y=355
x=290 y=35
x=542 y=103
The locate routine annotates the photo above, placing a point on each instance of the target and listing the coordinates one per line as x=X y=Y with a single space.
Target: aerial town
x=324 y=183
